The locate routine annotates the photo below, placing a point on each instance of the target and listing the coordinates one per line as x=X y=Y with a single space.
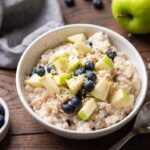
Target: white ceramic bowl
x=53 y=38
x=5 y=127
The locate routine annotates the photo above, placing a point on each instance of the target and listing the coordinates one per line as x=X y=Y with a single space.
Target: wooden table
x=27 y=134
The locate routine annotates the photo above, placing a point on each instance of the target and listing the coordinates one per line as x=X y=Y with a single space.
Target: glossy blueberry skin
x=91 y=75
x=74 y=102
x=79 y=71
x=97 y=4
x=39 y=70
x=2 y=120
x=81 y=94
x=49 y=68
x=68 y=109
x=111 y=54
x=88 y=85
x=89 y=43
x=2 y=112
x=89 y=65
x=70 y=3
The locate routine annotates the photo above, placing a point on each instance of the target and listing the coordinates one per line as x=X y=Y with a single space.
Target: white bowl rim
x=103 y=130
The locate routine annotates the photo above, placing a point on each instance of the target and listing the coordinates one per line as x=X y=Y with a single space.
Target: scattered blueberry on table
x=70 y=3
x=2 y=116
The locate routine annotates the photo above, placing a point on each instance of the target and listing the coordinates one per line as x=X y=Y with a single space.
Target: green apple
x=74 y=62
x=76 y=38
x=87 y=109
x=50 y=84
x=80 y=49
x=61 y=65
x=133 y=15
x=34 y=80
x=120 y=99
x=101 y=89
x=104 y=64
x=61 y=79
x=74 y=84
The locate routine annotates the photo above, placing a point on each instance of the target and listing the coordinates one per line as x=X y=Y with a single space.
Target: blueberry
x=89 y=43
x=69 y=3
x=97 y=4
x=49 y=68
x=88 y=85
x=39 y=70
x=81 y=94
x=2 y=120
x=2 y=112
x=111 y=54
x=74 y=102
x=89 y=65
x=91 y=75
x=79 y=71
x=68 y=109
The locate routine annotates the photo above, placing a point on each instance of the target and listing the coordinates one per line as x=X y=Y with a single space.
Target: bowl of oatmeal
x=81 y=81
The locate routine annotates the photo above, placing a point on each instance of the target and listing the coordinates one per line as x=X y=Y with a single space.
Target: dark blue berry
x=88 y=85
x=81 y=94
x=2 y=112
x=2 y=120
x=89 y=65
x=89 y=43
x=49 y=68
x=68 y=109
x=91 y=75
x=79 y=71
x=70 y=3
x=39 y=70
x=111 y=54
x=74 y=102
x=97 y=4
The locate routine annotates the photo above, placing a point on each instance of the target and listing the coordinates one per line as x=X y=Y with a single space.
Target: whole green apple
x=133 y=15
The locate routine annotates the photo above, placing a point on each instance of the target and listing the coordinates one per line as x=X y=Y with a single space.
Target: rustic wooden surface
x=27 y=134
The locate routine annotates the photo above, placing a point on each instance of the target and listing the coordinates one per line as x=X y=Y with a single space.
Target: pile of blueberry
x=96 y=3
x=2 y=116
x=88 y=85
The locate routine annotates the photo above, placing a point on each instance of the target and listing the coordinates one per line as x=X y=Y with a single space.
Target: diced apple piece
x=34 y=80
x=74 y=62
x=74 y=84
x=80 y=49
x=120 y=99
x=87 y=109
x=50 y=84
x=61 y=65
x=101 y=89
x=104 y=64
x=76 y=38
x=61 y=79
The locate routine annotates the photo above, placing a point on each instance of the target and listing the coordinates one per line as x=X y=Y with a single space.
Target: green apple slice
x=104 y=64
x=74 y=62
x=76 y=38
x=50 y=84
x=80 y=49
x=61 y=65
x=87 y=109
x=101 y=89
x=74 y=84
x=61 y=79
x=120 y=99
x=34 y=80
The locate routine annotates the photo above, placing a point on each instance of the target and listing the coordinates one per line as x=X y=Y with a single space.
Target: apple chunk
x=104 y=64
x=76 y=38
x=101 y=89
x=87 y=109
x=120 y=99
x=34 y=80
x=50 y=84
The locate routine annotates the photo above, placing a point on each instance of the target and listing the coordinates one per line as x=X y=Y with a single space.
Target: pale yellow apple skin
x=134 y=15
